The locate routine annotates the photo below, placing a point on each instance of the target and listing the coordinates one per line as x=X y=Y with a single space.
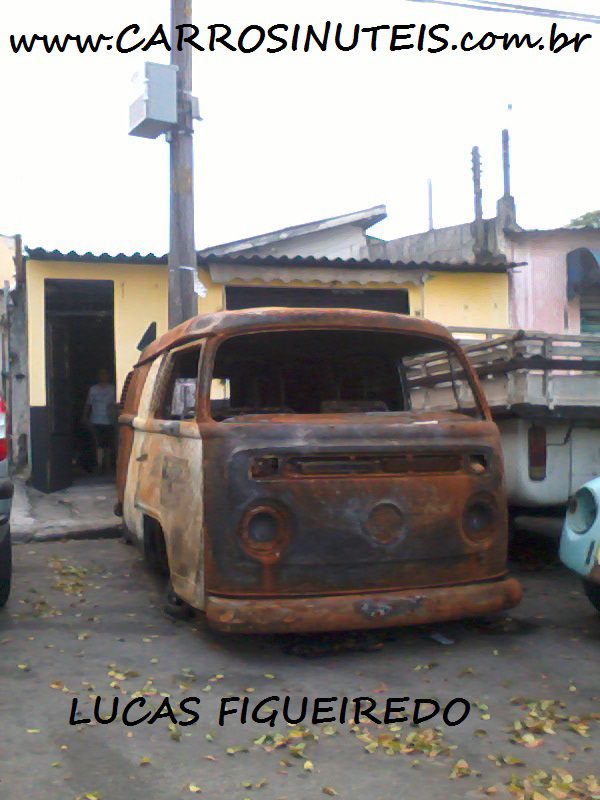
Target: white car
x=580 y=540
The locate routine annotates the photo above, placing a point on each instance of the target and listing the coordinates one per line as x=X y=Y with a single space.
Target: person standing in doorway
x=100 y=411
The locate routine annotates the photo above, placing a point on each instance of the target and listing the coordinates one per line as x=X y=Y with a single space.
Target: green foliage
x=589 y=220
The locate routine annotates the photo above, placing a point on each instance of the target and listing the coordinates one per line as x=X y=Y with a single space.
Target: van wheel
x=175 y=607
x=5 y=568
x=155 y=548
x=592 y=591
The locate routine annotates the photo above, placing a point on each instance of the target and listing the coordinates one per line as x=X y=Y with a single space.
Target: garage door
x=370 y=299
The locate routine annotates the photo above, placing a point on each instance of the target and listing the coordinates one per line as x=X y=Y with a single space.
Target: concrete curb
x=60 y=534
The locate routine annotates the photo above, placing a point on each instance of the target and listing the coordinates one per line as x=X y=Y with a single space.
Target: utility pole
x=479 y=226
x=506 y=162
x=182 y=247
x=477 y=194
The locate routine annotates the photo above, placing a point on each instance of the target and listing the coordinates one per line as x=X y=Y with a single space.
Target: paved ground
x=85 y=619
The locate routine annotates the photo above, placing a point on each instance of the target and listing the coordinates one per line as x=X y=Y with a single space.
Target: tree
x=589 y=220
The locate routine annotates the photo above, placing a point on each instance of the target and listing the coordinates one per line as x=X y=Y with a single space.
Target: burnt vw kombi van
x=279 y=465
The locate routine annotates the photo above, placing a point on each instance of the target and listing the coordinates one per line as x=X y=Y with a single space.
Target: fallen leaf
x=461 y=769
x=329 y=790
x=308 y=766
x=240 y=748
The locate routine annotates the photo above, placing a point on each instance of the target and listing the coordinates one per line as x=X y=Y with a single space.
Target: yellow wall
x=477 y=300
x=473 y=300
x=140 y=298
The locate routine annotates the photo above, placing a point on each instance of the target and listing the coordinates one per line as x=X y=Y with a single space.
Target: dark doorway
x=395 y=300
x=79 y=341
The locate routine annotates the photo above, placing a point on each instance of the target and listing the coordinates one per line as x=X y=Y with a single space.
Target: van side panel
x=128 y=412
x=165 y=483
x=134 y=518
x=170 y=490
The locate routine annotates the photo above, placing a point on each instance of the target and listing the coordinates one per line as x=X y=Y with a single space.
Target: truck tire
x=5 y=569
x=592 y=592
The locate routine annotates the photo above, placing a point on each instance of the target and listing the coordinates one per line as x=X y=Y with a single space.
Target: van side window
x=178 y=396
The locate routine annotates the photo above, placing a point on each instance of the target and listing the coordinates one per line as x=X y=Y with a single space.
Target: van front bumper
x=356 y=611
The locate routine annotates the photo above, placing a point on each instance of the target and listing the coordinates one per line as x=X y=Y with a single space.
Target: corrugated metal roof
x=40 y=254
x=349 y=263
x=365 y=218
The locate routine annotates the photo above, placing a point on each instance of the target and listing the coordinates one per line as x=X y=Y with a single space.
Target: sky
x=291 y=137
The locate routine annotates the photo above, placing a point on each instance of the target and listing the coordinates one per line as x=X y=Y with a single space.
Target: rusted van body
x=276 y=460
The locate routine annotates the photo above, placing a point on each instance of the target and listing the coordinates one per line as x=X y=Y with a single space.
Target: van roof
x=254 y=319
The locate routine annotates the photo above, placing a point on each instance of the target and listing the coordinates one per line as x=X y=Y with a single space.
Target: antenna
x=477 y=184
x=430 y=202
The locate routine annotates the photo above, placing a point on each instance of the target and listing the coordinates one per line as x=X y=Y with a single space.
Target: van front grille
x=357 y=464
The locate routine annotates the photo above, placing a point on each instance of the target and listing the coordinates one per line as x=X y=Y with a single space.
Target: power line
x=515 y=8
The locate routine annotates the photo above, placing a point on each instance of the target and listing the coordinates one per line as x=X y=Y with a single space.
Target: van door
x=169 y=484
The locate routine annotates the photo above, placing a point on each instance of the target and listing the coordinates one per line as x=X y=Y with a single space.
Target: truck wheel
x=5 y=569
x=592 y=591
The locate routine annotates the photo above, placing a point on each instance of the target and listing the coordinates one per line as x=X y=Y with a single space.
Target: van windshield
x=337 y=371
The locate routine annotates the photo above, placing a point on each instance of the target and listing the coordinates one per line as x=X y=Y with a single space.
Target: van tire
x=5 y=568
x=592 y=592
x=175 y=607
x=155 y=548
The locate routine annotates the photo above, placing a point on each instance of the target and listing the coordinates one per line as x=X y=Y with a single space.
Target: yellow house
x=85 y=312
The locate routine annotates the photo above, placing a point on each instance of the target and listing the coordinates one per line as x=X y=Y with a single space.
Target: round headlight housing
x=480 y=517
x=262 y=528
x=264 y=533
x=582 y=511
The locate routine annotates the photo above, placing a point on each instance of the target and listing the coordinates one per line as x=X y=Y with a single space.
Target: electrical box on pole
x=164 y=104
x=154 y=110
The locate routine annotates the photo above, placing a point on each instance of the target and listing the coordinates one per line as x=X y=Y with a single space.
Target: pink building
x=558 y=289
